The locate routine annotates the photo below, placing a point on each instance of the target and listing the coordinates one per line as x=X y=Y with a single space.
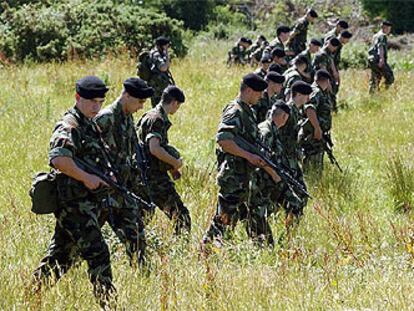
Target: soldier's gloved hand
x=93 y=182
x=255 y=160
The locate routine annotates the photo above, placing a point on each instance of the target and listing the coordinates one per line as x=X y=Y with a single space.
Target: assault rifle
x=282 y=171
x=113 y=184
x=328 y=148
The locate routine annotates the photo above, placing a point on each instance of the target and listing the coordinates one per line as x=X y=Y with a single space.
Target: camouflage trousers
x=313 y=157
x=377 y=74
x=233 y=206
x=164 y=195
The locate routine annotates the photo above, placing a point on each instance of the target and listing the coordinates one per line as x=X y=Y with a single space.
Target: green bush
x=75 y=28
x=354 y=55
x=226 y=22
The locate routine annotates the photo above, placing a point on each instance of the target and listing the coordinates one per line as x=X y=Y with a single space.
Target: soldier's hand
x=93 y=182
x=255 y=160
x=178 y=164
x=176 y=174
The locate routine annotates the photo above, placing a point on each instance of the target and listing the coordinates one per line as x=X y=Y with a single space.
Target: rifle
x=282 y=171
x=114 y=185
x=328 y=148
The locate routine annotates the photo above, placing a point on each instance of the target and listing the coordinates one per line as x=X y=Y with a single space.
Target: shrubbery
x=74 y=28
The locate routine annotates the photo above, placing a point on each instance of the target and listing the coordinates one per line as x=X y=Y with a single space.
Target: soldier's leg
x=375 y=78
x=169 y=201
x=388 y=75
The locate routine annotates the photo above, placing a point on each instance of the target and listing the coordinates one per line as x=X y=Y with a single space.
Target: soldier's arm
x=229 y=146
x=160 y=153
x=381 y=56
x=67 y=166
x=311 y=114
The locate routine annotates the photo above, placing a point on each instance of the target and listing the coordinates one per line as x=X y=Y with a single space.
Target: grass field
x=353 y=250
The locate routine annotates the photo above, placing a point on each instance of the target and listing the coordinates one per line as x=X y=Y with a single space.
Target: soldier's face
x=386 y=29
x=323 y=84
x=175 y=105
x=134 y=104
x=313 y=48
x=274 y=88
x=280 y=61
x=89 y=107
x=280 y=119
x=301 y=99
x=253 y=96
x=284 y=36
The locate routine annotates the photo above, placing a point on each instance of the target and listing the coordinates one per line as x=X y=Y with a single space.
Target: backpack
x=144 y=65
x=44 y=193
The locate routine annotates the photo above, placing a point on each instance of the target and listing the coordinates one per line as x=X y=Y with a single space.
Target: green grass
x=353 y=249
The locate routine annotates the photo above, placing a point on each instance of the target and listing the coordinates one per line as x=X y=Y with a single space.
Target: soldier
x=340 y=26
x=236 y=164
x=257 y=49
x=282 y=35
x=298 y=72
x=324 y=60
x=265 y=62
x=118 y=131
x=82 y=196
x=160 y=68
x=238 y=55
x=298 y=36
x=313 y=48
x=274 y=88
x=318 y=112
x=279 y=59
x=343 y=38
x=300 y=92
x=152 y=131
x=264 y=191
x=377 y=59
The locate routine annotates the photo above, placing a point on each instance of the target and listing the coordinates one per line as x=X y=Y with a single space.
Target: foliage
x=75 y=28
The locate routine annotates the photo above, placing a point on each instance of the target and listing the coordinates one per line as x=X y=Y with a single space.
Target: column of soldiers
x=281 y=119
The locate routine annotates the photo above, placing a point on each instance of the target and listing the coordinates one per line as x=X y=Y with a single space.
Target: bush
x=74 y=28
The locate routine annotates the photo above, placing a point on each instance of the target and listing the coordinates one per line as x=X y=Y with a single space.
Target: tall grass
x=350 y=251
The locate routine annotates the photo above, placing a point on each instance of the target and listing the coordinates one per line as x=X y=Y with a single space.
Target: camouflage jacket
x=321 y=102
x=118 y=132
x=379 y=40
x=237 y=119
x=154 y=123
x=337 y=55
x=78 y=137
x=262 y=107
x=323 y=60
x=275 y=43
x=292 y=75
x=330 y=34
x=289 y=132
x=270 y=137
x=297 y=43
x=238 y=54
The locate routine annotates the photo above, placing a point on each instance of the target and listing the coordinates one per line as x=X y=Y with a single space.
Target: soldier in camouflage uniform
x=313 y=48
x=298 y=72
x=256 y=50
x=340 y=26
x=279 y=60
x=343 y=38
x=83 y=197
x=325 y=60
x=377 y=59
x=300 y=92
x=274 y=88
x=239 y=54
x=298 y=36
x=160 y=68
x=118 y=131
x=282 y=35
x=265 y=62
x=152 y=131
x=236 y=164
x=318 y=112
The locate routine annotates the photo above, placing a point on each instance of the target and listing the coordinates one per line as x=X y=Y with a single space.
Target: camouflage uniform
x=333 y=33
x=379 y=40
x=275 y=43
x=262 y=107
x=81 y=212
x=289 y=138
x=299 y=36
x=119 y=134
x=234 y=173
x=308 y=57
x=159 y=80
x=237 y=55
x=292 y=75
x=321 y=102
x=155 y=123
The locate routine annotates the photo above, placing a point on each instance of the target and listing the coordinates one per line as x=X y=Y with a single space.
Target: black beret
x=334 y=41
x=343 y=24
x=346 y=34
x=138 y=88
x=322 y=74
x=301 y=87
x=90 y=87
x=266 y=59
x=162 y=41
x=282 y=28
x=175 y=92
x=255 y=82
x=386 y=23
x=275 y=77
x=275 y=68
x=316 y=42
x=280 y=104
x=278 y=52
x=312 y=13
x=244 y=40
x=262 y=37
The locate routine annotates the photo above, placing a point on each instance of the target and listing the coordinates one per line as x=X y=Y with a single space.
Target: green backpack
x=144 y=65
